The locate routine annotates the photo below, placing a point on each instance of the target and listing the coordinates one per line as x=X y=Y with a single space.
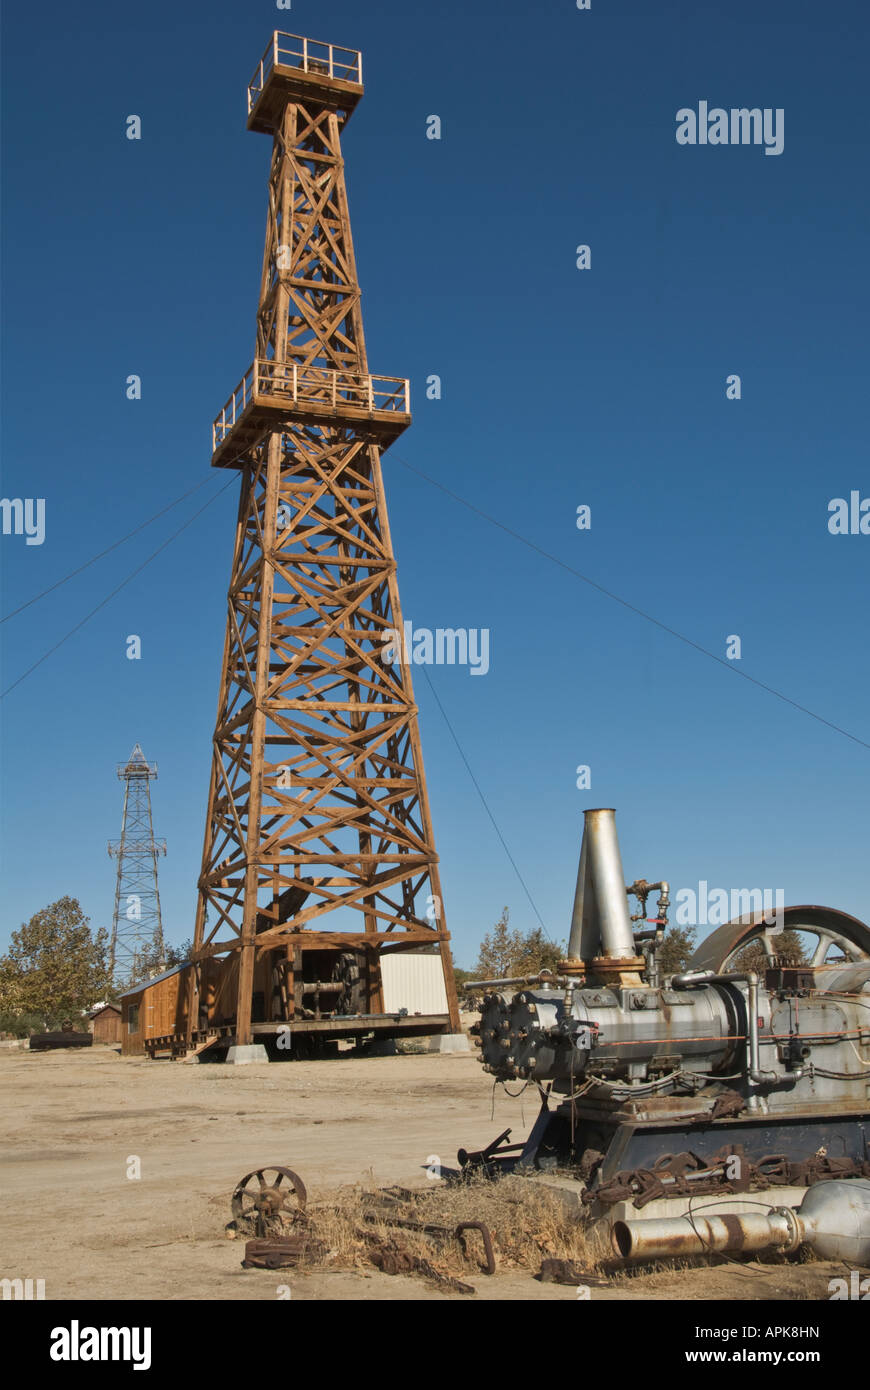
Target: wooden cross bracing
x=318 y=833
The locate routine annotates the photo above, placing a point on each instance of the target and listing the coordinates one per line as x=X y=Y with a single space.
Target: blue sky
x=561 y=387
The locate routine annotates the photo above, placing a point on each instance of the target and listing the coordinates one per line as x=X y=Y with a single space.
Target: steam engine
x=771 y=1063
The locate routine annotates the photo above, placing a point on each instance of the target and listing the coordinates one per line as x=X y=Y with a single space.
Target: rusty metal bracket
x=482 y=1158
x=686 y=1173
x=443 y=1233
x=279 y=1252
x=391 y=1258
x=486 y=1237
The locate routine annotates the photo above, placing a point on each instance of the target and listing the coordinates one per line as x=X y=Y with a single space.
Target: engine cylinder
x=556 y=1035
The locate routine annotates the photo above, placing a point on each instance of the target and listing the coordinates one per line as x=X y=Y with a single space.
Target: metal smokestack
x=584 y=940
x=600 y=924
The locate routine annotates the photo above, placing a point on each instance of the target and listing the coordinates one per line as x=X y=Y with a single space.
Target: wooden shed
x=154 y=1012
x=105 y=1024
x=156 y=1008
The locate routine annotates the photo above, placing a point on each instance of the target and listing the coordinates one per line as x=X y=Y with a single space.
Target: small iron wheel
x=264 y=1198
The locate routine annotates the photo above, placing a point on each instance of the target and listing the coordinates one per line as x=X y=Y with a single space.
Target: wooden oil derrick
x=319 y=853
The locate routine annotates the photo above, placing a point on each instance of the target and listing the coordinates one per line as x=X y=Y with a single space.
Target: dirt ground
x=73 y=1121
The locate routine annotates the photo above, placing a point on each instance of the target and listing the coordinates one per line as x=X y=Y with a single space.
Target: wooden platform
x=271 y=392
x=328 y=1029
x=358 y=1025
x=294 y=68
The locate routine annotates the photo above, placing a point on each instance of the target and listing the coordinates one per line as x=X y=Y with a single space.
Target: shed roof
x=143 y=984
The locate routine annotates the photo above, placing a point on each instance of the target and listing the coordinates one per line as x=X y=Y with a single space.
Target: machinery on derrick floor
x=718 y=1078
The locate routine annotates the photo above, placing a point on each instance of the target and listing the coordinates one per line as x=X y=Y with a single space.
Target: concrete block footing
x=240 y=1055
x=450 y=1042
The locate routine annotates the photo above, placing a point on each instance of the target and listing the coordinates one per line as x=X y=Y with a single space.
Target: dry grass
x=528 y=1224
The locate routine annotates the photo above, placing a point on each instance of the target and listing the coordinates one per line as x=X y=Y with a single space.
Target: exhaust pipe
x=833 y=1219
x=584 y=939
x=600 y=922
x=675 y=1237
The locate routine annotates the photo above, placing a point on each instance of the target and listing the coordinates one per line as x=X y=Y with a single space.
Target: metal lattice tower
x=318 y=833
x=137 y=927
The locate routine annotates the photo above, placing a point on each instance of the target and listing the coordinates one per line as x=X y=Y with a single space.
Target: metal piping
x=677 y=1236
x=545 y=977
x=607 y=880
x=749 y=977
x=833 y=1219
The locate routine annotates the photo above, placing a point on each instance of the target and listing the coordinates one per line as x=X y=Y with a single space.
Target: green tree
x=537 y=953
x=505 y=952
x=54 y=966
x=19 y=1025
x=497 y=950
x=676 y=949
